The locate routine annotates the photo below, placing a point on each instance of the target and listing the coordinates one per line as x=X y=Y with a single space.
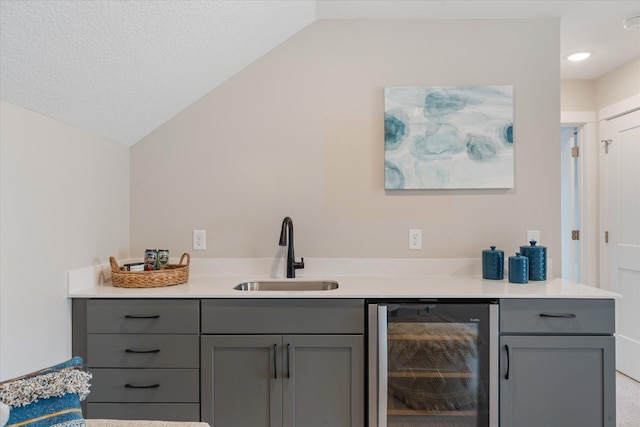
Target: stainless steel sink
x=288 y=285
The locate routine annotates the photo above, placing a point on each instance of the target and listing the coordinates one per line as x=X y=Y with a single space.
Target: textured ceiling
x=119 y=69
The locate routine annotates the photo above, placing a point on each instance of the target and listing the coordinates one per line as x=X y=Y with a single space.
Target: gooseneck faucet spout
x=287 y=231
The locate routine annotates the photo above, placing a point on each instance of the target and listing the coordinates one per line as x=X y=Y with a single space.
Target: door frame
x=588 y=184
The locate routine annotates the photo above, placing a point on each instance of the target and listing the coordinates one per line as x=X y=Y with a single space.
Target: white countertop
x=368 y=278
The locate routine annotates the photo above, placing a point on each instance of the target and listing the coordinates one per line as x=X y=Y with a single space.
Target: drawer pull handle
x=288 y=366
x=142 y=386
x=563 y=315
x=131 y=316
x=275 y=364
x=506 y=375
x=157 y=350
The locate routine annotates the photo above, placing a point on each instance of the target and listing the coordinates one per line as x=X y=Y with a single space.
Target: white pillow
x=4 y=414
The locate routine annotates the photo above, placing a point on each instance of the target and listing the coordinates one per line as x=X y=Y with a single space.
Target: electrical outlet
x=199 y=240
x=533 y=235
x=415 y=239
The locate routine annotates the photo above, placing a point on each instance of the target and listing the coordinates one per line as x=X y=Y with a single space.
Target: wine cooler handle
x=275 y=363
x=506 y=375
x=372 y=357
x=383 y=366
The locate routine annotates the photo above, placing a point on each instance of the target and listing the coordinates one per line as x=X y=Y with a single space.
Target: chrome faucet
x=287 y=230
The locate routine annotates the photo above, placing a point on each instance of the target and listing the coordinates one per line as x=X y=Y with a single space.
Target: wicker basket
x=172 y=274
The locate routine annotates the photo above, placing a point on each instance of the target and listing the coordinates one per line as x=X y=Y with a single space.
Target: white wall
x=64 y=204
x=607 y=90
x=577 y=95
x=618 y=85
x=300 y=133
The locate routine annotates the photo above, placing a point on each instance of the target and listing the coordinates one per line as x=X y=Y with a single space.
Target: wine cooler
x=433 y=363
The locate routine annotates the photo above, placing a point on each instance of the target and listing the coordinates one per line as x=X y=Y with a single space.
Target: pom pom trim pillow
x=49 y=397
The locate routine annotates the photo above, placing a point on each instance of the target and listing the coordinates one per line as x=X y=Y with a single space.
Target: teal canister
x=493 y=264
x=518 y=268
x=537 y=260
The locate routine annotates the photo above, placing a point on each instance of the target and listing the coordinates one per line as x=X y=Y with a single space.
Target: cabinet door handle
x=288 y=366
x=564 y=315
x=157 y=350
x=131 y=316
x=275 y=363
x=506 y=375
x=142 y=386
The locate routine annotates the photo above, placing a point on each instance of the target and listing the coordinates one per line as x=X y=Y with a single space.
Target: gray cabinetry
x=557 y=363
x=144 y=357
x=283 y=363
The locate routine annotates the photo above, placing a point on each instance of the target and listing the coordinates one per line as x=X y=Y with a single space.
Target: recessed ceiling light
x=631 y=23
x=578 y=56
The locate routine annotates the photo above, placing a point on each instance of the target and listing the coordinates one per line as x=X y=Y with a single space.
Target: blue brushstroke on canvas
x=506 y=134
x=481 y=148
x=441 y=103
x=394 y=131
x=446 y=141
x=394 y=180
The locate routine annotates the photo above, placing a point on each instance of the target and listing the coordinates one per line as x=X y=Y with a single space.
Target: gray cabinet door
x=282 y=380
x=241 y=380
x=323 y=381
x=557 y=381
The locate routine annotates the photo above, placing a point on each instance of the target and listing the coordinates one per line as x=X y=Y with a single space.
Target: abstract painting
x=448 y=137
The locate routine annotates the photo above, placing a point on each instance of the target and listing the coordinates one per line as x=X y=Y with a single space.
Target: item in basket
x=163 y=258
x=150 y=259
x=134 y=266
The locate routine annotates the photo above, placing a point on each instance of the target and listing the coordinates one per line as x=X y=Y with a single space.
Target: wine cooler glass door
x=434 y=364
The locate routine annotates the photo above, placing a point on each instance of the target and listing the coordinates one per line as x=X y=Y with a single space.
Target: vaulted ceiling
x=120 y=69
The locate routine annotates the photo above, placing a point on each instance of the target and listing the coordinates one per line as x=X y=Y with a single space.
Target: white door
x=621 y=142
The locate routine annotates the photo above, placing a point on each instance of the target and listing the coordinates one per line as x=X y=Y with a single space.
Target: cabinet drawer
x=153 y=316
x=143 y=351
x=145 y=411
x=145 y=385
x=282 y=316
x=557 y=316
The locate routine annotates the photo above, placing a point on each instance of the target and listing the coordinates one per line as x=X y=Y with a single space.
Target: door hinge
x=606 y=143
x=606 y=237
x=575 y=234
x=575 y=151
